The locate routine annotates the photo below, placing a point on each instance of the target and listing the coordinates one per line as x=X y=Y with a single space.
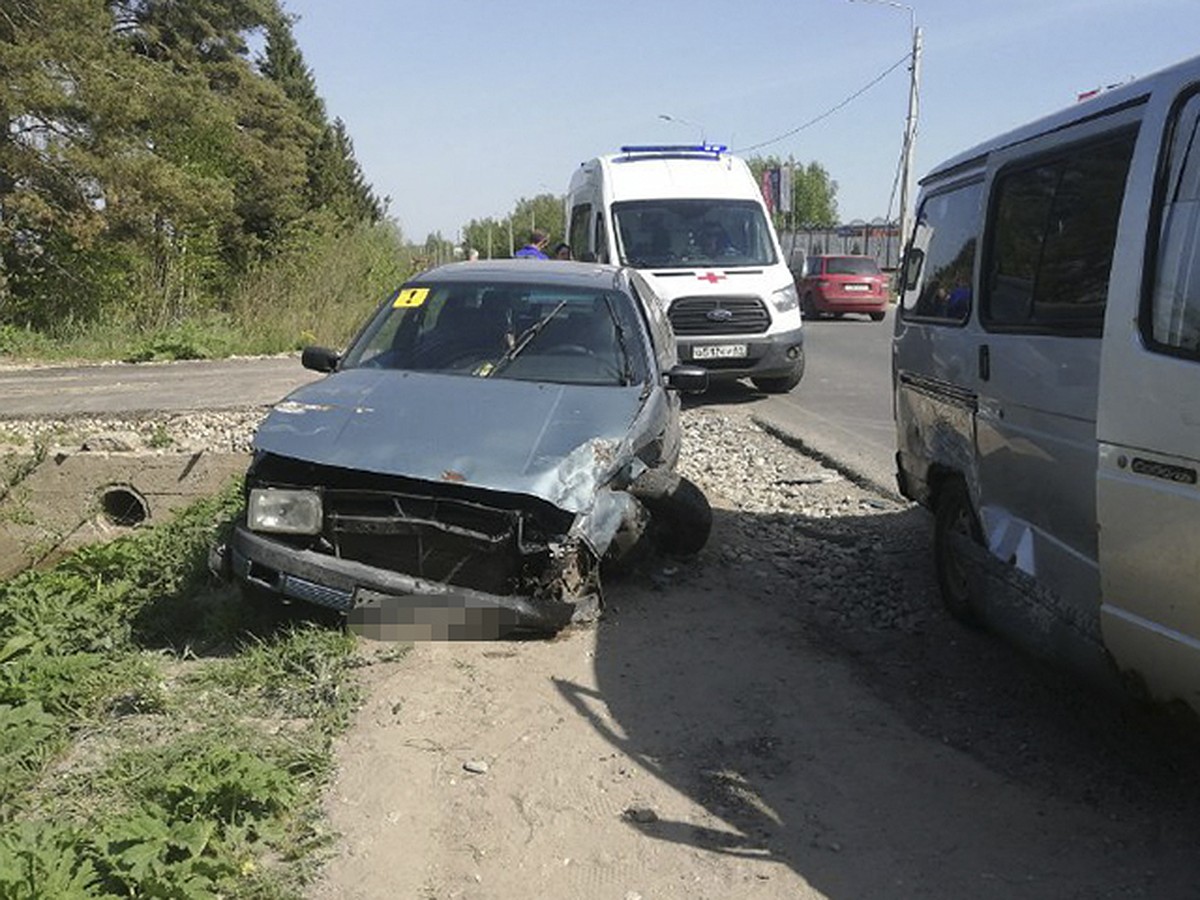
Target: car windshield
x=501 y=330
x=851 y=265
x=667 y=234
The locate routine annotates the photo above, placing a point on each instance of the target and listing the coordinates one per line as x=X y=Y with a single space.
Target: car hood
x=557 y=442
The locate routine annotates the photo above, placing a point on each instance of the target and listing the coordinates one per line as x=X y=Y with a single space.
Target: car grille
x=439 y=539
x=742 y=315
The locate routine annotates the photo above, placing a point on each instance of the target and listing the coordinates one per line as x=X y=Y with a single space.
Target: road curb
x=828 y=457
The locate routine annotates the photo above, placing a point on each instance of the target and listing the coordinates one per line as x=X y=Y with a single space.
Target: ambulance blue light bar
x=710 y=149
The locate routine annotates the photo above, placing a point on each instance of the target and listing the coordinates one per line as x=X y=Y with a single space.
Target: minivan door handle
x=985 y=362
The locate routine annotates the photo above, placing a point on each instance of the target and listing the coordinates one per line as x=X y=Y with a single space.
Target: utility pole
x=910 y=124
x=910 y=135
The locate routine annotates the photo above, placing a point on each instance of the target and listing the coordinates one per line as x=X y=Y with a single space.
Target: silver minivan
x=1046 y=378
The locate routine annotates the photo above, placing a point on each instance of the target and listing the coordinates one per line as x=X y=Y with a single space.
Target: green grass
x=159 y=736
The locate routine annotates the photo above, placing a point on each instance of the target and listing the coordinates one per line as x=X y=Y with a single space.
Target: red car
x=836 y=285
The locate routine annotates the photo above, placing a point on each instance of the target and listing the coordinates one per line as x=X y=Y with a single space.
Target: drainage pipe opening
x=122 y=505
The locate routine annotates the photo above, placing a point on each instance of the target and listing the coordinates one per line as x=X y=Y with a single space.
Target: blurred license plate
x=858 y=287
x=719 y=351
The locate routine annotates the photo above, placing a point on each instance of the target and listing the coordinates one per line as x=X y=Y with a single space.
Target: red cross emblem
x=710 y=277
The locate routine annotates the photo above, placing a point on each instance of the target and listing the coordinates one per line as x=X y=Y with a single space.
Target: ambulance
x=693 y=221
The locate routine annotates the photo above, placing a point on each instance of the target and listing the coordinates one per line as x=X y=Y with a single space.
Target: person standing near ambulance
x=536 y=248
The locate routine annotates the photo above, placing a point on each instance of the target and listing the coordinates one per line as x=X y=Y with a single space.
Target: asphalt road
x=123 y=388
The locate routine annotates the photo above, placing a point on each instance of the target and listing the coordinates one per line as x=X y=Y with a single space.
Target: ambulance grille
x=719 y=315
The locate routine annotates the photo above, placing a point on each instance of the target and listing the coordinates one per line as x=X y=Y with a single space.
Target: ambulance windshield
x=695 y=232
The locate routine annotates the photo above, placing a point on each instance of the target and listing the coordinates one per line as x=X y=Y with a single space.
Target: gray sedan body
x=492 y=434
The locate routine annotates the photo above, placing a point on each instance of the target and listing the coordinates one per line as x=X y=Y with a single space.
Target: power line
x=829 y=112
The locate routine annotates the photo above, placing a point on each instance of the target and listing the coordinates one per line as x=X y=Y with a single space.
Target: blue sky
x=458 y=108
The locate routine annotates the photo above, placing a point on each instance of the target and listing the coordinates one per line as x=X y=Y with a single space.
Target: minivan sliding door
x=1046 y=260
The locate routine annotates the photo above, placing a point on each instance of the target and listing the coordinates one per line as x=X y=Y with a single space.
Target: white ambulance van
x=1046 y=378
x=693 y=221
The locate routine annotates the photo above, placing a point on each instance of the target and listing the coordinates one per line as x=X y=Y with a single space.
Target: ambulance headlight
x=785 y=299
x=284 y=511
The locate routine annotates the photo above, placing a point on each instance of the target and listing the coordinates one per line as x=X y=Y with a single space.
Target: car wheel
x=954 y=520
x=783 y=383
x=684 y=519
x=877 y=317
x=809 y=307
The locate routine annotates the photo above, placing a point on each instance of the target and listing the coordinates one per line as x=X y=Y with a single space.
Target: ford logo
x=719 y=315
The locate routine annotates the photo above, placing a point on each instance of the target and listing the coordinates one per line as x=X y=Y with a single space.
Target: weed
x=160 y=437
x=118 y=781
x=23 y=467
x=300 y=672
x=17 y=512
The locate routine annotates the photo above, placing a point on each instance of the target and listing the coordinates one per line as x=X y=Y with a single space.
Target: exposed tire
x=954 y=519
x=682 y=518
x=808 y=307
x=783 y=383
x=877 y=317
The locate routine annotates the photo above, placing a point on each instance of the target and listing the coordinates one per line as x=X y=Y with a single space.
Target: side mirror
x=319 y=359
x=687 y=379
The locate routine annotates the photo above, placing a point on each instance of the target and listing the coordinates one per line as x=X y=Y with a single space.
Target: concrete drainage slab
x=102 y=483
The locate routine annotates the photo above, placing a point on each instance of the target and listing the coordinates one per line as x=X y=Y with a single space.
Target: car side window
x=662 y=338
x=941 y=258
x=1173 y=323
x=1050 y=243
x=601 y=240
x=581 y=215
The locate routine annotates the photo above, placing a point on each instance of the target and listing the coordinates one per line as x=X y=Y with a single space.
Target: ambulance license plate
x=719 y=351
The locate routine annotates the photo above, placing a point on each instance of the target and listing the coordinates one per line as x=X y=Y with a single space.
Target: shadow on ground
x=800 y=684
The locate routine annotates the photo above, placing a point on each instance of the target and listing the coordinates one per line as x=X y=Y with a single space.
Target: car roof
x=598 y=276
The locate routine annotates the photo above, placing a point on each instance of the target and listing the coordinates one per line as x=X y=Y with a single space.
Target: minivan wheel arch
x=955 y=519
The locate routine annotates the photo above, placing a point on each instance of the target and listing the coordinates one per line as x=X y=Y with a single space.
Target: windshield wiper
x=524 y=339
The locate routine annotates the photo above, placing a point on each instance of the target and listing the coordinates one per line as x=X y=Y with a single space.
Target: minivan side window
x=1174 y=322
x=938 y=268
x=1049 y=249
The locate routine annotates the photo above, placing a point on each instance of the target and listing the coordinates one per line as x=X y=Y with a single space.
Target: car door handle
x=985 y=362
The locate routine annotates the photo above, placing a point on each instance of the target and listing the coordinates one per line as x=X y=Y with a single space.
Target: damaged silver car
x=494 y=434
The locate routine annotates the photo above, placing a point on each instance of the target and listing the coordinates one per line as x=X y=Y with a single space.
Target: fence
x=866 y=239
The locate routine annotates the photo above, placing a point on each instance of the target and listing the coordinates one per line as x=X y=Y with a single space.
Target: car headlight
x=786 y=298
x=284 y=511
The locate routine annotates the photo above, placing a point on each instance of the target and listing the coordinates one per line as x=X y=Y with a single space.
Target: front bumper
x=766 y=355
x=384 y=604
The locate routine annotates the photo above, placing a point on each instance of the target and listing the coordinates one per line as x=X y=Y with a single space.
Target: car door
x=1148 y=427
